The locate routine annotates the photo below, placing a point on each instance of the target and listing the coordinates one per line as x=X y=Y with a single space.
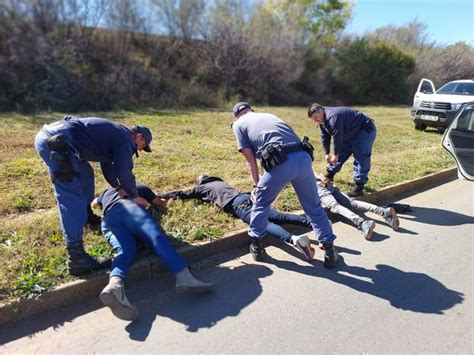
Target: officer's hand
x=122 y=193
x=325 y=180
x=160 y=202
x=335 y=159
x=141 y=202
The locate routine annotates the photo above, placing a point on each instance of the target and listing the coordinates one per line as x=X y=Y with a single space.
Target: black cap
x=239 y=107
x=146 y=133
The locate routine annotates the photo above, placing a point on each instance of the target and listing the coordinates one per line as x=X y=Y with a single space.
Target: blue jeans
x=122 y=224
x=361 y=147
x=73 y=196
x=242 y=206
x=297 y=170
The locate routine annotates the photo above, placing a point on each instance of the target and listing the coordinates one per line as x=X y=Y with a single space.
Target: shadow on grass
x=408 y=291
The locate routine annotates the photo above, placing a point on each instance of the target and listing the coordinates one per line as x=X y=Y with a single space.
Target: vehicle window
x=457 y=89
x=426 y=87
x=466 y=120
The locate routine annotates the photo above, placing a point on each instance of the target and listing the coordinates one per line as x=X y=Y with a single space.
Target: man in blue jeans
x=341 y=204
x=285 y=159
x=123 y=223
x=212 y=189
x=353 y=133
x=67 y=147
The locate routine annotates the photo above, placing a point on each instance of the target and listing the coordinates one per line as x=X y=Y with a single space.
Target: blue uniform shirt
x=257 y=130
x=343 y=124
x=111 y=144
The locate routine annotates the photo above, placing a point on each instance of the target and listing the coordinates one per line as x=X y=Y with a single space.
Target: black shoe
x=330 y=256
x=79 y=262
x=357 y=190
x=256 y=250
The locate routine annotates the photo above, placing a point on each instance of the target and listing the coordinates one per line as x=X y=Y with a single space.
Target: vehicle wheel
x=441 y=129
x=420 y=126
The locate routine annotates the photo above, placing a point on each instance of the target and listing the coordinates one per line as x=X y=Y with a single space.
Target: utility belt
x=275 y=154
x=369 y=125
x=60 y=152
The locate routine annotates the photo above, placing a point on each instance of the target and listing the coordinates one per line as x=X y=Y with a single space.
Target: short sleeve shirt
x=257 y=130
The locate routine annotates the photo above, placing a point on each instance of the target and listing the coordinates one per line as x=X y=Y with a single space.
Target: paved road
x=407 y=292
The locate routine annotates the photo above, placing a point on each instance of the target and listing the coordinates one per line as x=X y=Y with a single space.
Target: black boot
x=256 y=250
x=79 y=262
x=330 y=256
x=92 y=219
x=357 y=190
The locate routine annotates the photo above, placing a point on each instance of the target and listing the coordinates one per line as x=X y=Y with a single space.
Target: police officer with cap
x=353 y=133
x=285 y=160
x=67 y=147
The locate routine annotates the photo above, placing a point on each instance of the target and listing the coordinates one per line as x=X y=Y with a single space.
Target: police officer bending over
x=354 y=134
x=285 y=159
x=66 y=147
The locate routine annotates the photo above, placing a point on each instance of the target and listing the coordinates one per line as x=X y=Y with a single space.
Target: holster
x=59 y=152
x=308 y=147
x=272 y=156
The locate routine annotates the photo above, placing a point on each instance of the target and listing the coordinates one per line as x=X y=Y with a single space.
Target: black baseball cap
x=239 y=107
x=146 y=133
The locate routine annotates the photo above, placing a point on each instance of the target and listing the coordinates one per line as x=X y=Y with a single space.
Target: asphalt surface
x=409 y=291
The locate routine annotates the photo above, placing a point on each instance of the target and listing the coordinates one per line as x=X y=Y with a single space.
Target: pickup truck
x=437 y=108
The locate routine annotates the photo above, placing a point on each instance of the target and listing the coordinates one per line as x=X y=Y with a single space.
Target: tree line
x=73 y=55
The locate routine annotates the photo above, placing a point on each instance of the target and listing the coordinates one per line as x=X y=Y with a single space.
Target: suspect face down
x=316 y=113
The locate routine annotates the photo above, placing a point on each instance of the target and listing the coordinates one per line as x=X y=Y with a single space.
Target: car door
x=459 y=140
x=425 y=86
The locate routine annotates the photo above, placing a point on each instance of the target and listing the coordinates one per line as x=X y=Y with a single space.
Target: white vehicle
x=433 y=108
x=459 y=141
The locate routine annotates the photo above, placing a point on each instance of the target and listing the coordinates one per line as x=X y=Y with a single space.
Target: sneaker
x=256 y=250
x=357 y=190
x=301 y=242
x=330 y=257
x=391 y=218
x=367 y=227
x=186 y=282
x=113 y=296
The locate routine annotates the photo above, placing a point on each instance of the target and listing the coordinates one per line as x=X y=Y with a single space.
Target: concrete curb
x=76 y=291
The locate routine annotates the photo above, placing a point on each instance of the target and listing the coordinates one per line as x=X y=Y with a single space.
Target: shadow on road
x=438 y=217
x=234 y=290
x=409 y=291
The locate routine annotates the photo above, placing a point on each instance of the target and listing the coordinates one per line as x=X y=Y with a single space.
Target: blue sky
x=448 y=21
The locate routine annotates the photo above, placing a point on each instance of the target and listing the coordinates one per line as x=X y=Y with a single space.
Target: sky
x=448 y=21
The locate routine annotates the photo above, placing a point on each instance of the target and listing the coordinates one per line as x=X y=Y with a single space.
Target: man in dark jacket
x=353 y=133
x=66 y=147
x=214 y=190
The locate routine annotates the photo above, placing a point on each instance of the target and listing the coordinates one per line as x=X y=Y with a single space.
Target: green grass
x=186 y=144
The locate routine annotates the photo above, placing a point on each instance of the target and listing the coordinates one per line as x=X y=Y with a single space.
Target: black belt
x=292 y=147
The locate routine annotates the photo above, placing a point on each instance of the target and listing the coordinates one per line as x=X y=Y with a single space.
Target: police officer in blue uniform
x=285 y=159
x=66 y=147
x=353 y=133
